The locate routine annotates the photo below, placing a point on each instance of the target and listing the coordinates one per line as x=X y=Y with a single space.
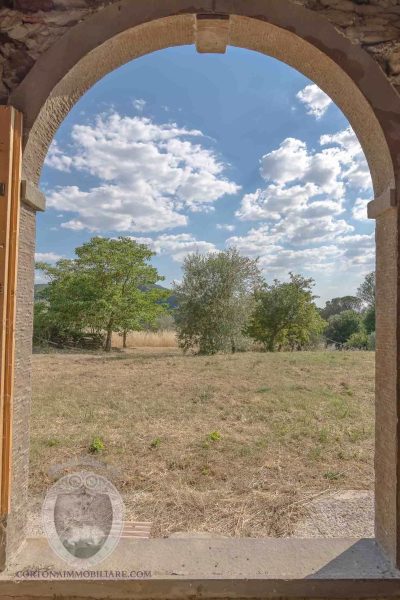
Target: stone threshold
x=209 y=568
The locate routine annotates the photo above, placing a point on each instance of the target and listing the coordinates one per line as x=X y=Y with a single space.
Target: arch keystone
x=212 y=33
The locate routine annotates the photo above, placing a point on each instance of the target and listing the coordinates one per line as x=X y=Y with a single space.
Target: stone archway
x=310 y=43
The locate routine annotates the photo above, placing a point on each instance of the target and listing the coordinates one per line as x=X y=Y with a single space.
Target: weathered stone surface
x=29 y=27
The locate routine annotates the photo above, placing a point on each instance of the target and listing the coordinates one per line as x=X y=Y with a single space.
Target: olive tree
x=215 y=300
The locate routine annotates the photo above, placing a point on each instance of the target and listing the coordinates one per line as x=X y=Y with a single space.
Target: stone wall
x=29 y=27
x=22 y=383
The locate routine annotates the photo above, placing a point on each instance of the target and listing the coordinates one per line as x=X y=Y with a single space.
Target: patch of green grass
x=52 y=442
x=340 y=408
x=346 y=389
x=97 y=446
x=333 y=475
x=156 y=443
x=214 y=436
x=323 y=435
x=263 y=390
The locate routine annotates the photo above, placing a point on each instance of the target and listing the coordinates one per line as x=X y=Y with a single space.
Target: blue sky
x=198 y=152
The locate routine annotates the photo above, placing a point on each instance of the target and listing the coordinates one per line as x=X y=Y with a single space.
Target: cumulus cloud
x=308 y=187
x=139 y=104
x=359 y=211
x=225 y=227
x=149 y=175
x=315 y=100
x=49 y=257
x=57 y=159
x=177 y=246
x=302 y=208
x=341 y=252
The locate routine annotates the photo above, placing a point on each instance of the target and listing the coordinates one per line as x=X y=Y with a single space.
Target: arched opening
x=124 y=32
x=183 y=462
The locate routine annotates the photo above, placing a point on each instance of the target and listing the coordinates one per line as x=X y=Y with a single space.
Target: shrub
x=214 y=436
x=96 y=446
x=369 y=319
x=358 y=341
x=371 y=341
x=342 y=326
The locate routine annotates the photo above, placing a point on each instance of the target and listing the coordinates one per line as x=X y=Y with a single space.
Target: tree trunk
x=107 y=346
x=124 y=334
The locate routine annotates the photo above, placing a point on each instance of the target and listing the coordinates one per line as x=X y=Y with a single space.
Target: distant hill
x=171 y=300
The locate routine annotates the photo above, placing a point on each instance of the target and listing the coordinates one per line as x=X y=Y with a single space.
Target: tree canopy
x=285 y=314
x=342 y=326
x=338 y=305
x=109 y=286
x=215 y=300
x=366 y=291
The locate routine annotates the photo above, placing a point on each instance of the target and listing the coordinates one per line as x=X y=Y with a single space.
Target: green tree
x=338 y=305
x=358 y=340
x=369 y=319
x=342 y=326
x=214 y=300
x=366 y=291
x=105 y=288
x=285 y=314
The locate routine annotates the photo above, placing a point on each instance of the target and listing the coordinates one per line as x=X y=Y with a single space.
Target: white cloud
x=225 y=227
x=303 y=202
x=315 y=100
x=139 y=104
x=302 y=216
x=177 y=246
x=355 y=170
x=113 y=208
x=359 y=211
x=337 y=253
x=289 y=162
x=57 y=159
x=148 y=175
x=49 y=257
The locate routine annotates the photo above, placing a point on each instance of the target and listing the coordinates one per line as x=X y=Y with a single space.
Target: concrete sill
x=213 y=568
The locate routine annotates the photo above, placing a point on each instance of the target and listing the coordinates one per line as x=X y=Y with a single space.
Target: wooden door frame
x=10 y=186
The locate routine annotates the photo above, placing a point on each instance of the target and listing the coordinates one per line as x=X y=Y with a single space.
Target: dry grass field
x=231 y=444
x=147 y=339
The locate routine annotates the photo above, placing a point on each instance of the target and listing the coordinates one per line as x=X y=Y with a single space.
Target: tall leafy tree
x=338 y=305
x=341 y=327
x=366 y=291
x=107 y=287
x=286 y=314
x=369 y=319
x=214 y=300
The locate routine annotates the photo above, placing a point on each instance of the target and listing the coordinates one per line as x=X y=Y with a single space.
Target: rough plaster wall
x=29 y=27
x=22 y=381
